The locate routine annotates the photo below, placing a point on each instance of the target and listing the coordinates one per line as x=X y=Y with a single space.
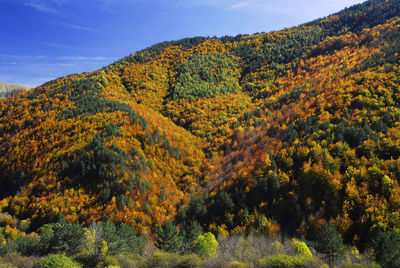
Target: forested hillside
x=284 y=132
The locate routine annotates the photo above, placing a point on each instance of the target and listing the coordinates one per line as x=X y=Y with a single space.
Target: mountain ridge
x=270 y=132
x=9 y=90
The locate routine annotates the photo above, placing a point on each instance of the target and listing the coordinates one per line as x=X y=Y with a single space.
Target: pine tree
x=330 y=243
x=170 y=239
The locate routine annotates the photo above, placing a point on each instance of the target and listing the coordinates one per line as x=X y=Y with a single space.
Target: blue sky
x=45 y=39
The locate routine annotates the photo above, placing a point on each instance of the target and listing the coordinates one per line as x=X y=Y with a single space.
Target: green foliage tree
x=206 y=245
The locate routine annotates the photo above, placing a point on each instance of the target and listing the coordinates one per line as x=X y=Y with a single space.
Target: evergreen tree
x=386 y=245
x=330 y=243
x=170 y=239
x=193 y=232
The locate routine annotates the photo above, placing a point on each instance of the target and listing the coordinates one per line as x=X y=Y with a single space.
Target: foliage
x=205 y=76
x=57 y=260
x=170 y=239
x=206 y=245
x=329 y=242
x=301 y=248
x=271 y=133
x=284 y=261
x=386 y=248
x=13 y=260
x=169 y=260
x=122 y=239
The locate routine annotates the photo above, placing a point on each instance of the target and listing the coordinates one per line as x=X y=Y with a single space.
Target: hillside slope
x=274 y=131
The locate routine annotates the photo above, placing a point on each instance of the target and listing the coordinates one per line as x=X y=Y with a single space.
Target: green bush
x=277 y=247
x=284 y=261
x=352 y=265
x=237 y=264
x=187 y=261
x=11 y=260
x=111 y=262
x=28 y=246
x=24 y=226
x=357 y=265
x=129 y=261
x=301 y=248
x=57 y=261
x=171 y=260
x=160 y=259
x=206 y=245
x=7 y=265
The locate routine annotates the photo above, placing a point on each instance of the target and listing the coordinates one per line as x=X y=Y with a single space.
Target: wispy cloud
x=45 y=6
x=78 y=27
x=23 y=57
x=40 y=6
x=238 y=5
x=8 y=63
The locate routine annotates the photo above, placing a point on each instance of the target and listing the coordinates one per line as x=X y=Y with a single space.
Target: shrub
x=27 y=245
x=206 y=245
x=7 y=265
x=358 y=265
x=24 y=226
x=111 y=262
x=301 y=248
x=303 y=257
x=277 y=247
x=192 y=260
x=237 y=264
x=160 y=259
x=129 y=261
x=57 y=261
x=16 y=260
x=352 y=265
x=284 y=261
x=169 y=260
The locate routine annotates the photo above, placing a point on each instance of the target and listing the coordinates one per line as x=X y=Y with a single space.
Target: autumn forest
x=292 y=135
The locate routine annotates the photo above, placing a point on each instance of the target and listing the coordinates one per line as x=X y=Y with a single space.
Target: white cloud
x=45 y=6
x=78 y=27
x=41 y=7
x=238 y=5
x=22 y=57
